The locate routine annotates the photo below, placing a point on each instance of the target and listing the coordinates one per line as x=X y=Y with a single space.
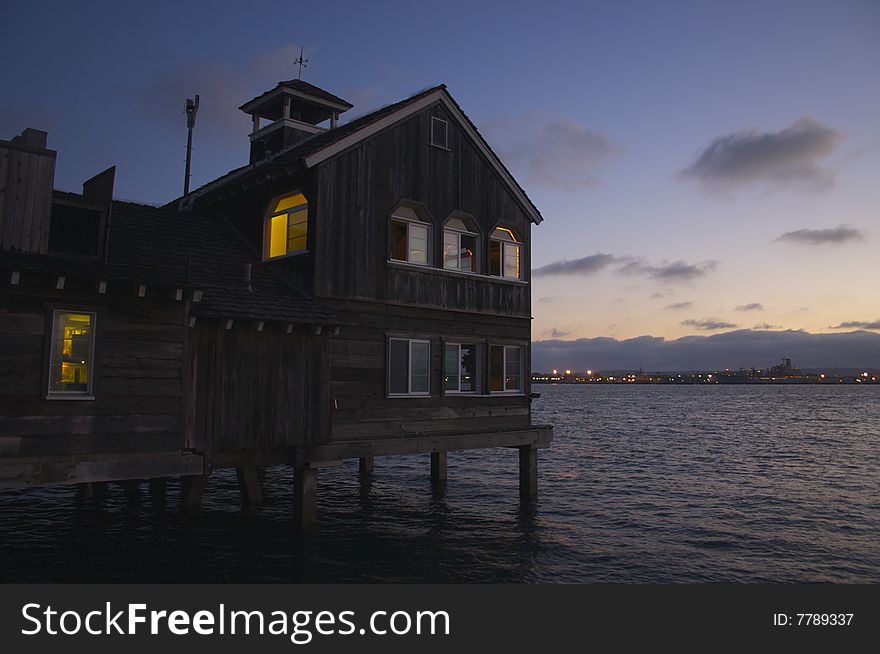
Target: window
x=439 y=133
x=505 y=368
x=459 y=246
x=460 y=368
x=504 y=254
x=71 y=354
x=286 y=226
x=409 y=237
x=409 y=367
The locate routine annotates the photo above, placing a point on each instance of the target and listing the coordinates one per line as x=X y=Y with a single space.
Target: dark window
x=505 y=368
x=460 y=367
x=409 y=367
x=75 y=230
x=409 y=237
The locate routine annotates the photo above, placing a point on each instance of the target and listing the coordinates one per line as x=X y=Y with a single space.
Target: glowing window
x=287 y=226
x=409 y=237
x=72 y=354
x=504 y=254
x=459 y=246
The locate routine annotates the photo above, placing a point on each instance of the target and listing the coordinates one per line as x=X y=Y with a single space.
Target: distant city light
x=555 y=371
x=589 y=372
x=568 y=372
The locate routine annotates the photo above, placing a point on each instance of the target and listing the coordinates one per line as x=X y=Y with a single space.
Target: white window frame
x=504 y=243
x=409 y=222
x=508 y=391
x=445 y=145
x=459 y=233
x=409 y=375
x=89 y=392
x=476 y=384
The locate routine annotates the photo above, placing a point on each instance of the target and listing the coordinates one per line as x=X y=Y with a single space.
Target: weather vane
x=302 y=63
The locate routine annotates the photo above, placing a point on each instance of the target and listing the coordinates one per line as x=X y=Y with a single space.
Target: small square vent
x=439 y=133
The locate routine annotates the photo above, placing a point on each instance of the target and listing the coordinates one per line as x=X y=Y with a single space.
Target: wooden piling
x=438 y=466
x=528 y=473
x=193 y=489
x=249 y=485
x=305 y=496
x=365 y=465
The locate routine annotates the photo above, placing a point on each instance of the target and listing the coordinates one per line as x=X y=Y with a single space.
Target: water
x=642 y=484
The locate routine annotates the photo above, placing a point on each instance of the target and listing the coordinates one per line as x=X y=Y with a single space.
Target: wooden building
x=354 y=291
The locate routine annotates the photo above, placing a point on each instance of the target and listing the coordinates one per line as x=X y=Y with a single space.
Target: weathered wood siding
x=26 y=179
x=359 y=373
x=356 y=192
x=136 y=378
x=256 y=389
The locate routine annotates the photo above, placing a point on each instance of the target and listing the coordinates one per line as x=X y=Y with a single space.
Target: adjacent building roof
x=209 y=254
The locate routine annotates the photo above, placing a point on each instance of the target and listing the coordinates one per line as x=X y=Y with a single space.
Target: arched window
x=460 y=245
x=409 y=237
x=504 y=254
x=286 y=228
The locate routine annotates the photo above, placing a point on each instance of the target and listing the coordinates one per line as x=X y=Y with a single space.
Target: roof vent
x=439 y=133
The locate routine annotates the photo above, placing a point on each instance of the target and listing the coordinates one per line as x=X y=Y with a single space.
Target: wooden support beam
x=528 y=473
x=249 y=485
x=192 y=321
x=178 y=294
x=193 y=489
x=59 y=283
x=305 y=496
x=197 y=296
x=14 y=278
x=438 y=466
x=102 y=287
x=142 y=290
x=365 y=465
x=289 y=329
x=260 y=325
x=229 y=323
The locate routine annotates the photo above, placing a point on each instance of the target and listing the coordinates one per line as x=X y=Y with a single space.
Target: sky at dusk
x=702 y=167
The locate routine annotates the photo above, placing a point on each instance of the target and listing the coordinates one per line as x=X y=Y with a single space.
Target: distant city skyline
x=702 y=167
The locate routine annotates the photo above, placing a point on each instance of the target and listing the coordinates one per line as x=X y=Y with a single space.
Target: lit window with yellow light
x=286 y=228
x=72 y=354
x=505 y=254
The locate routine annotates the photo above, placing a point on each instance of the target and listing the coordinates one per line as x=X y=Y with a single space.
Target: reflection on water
x=642 y=484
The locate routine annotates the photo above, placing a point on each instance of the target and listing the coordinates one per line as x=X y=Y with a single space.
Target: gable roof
x=302 y=89
x=325 y=145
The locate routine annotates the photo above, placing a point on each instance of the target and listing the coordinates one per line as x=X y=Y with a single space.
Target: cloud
x=676 y=271
x=833 y=236
x=858 y=324
x=548 y=298
x=707 y=324
x=766 y=325
x=551 y=150
x=733 y=349
x=557 y=333
x=583 y=266
x=754 y=306
x=791 y=155
x=678 y=306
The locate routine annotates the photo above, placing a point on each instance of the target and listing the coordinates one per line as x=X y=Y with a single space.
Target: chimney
x=27 y=177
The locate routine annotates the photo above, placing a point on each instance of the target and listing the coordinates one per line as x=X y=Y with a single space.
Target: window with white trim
x=286 y=226
x=409 y=366
x=71 y=355
x=506 y=369
x=439 y=133
x=459 y=246
x=410 y=237
x=460 y=367
x=505 y=254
